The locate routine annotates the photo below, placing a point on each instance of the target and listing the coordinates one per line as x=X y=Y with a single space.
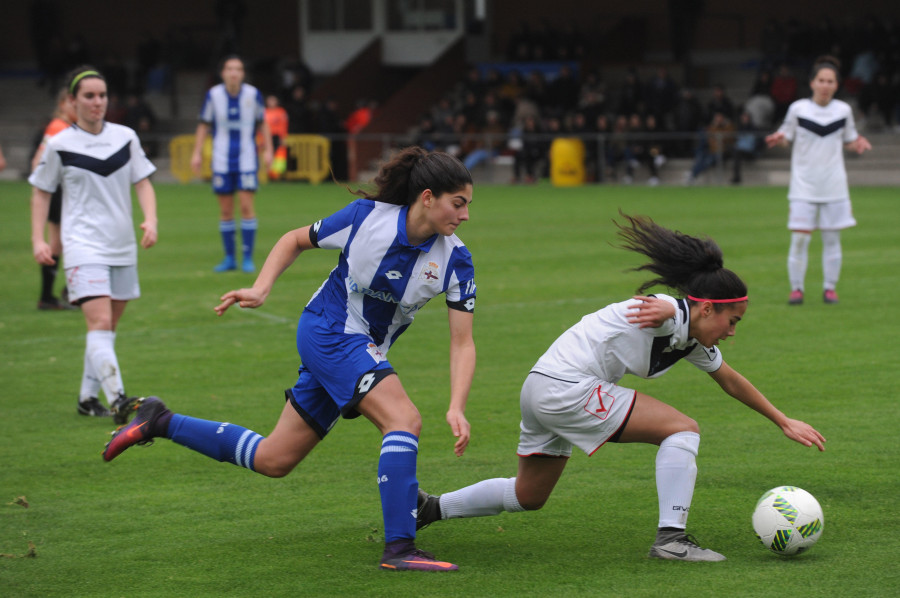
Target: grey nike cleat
x=678 y=546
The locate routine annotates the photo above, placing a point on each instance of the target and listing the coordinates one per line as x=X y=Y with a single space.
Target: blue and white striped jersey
x=234 y=120
x=381 y=281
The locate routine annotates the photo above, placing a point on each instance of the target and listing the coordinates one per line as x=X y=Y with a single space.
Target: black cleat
x=428 y=509
x=123 y=407
x=93 y=408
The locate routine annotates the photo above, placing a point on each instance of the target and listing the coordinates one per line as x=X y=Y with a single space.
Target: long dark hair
x=689 y=265
x=414 y=169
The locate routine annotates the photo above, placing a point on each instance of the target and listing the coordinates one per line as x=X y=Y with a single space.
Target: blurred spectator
x=746 y=144
x=328 y=123
x=784 y=90
x=657 y=149
x=529 y=152
x=688 y=119
x=140 y=117
x=618 y=150
x=277 y=119
x=714 y=147
x=563 y=91
x=720 y=102
x=489 y=143
x=426 y=133
x=360 y=118
x=662 y=95
x=631 y=94
x=115 y=109
x=760 y=104
x=878 y=99
x=298 y=113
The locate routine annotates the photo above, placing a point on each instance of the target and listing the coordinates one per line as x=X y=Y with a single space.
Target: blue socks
x=227 y=230
x=398 y=485
x=221 y=441
x=248 y=236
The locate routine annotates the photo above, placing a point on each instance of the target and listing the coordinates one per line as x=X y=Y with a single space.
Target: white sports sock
x=798 y=258
x=488 y=497
x=832 y=256
x=101 y=351
x=90 y=382
x=676 y=473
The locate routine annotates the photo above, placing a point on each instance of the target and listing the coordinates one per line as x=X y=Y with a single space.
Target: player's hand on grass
x=650 y=312
x=243 y=297
x=459 y=425
x=803 y=433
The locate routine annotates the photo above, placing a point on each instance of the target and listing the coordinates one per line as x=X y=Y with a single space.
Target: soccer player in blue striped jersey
x=233 y=112
x=398 y=249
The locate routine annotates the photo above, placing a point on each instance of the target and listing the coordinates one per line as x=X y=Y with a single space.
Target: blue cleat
x=226 y=265
x=247 y=265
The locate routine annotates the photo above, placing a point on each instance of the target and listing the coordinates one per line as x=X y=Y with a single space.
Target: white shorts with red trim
x=557 y=414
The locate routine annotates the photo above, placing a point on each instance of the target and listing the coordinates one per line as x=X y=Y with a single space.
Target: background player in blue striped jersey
x=397 y=250
x=234 y=111
x=572 y=395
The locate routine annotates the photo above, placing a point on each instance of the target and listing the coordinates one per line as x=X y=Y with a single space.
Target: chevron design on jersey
x=103 y=167
x=820 y=129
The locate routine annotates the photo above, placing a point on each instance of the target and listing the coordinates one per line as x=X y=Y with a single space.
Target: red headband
x=735 y=300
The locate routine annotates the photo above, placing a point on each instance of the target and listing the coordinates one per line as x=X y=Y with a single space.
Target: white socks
x=798 y=258
x=831 y=258
x=101 y=353
x=676 y=473
x=488 y=497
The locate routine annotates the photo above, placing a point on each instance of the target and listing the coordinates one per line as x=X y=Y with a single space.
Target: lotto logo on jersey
x=430 y=273
x=599 y=403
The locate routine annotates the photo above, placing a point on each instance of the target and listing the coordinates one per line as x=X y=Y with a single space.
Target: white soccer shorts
x=826 y=215
x=96 y=280
x=557 y=414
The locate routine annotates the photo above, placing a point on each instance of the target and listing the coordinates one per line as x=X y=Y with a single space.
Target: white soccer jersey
x=96 y=173
x=605 y=345
x=381 y=281
x=817 y=158
x=234 y=120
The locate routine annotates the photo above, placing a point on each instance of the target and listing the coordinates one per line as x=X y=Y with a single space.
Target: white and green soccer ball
x=788 y=520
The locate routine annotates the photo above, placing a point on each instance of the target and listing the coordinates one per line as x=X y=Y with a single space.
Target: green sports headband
x=81 y=76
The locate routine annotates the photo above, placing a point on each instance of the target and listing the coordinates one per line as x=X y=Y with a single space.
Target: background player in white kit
x=572 y=397
x=96 y=163
x=398 y=250
x=233 y=111
x=820 y=128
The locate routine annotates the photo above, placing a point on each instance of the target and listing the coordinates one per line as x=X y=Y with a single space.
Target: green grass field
x=165 y=521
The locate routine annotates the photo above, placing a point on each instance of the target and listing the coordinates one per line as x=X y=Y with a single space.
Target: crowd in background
x=517 y=112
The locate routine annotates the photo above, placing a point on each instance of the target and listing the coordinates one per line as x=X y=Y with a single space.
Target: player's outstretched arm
x=283 y=254
x=741 y=389
x=859 y=145
x=462 y=370
x=776 y=138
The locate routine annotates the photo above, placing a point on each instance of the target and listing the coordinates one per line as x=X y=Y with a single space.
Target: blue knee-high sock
x=221 y=441
x=227 y=230
x=248 y=235
x=398 y=485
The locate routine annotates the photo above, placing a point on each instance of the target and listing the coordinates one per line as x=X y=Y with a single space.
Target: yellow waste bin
x=567 y=162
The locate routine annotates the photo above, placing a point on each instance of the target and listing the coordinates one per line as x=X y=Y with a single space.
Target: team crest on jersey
x=376 y=354
x=430 y=272
x=599 y=403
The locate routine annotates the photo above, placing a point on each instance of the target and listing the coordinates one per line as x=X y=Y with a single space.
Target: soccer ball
x=788 y=520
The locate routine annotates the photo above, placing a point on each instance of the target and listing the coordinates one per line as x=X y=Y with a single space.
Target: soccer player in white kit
x=572 y=395
x=96 y=163
x=398 y=250
x=820 y=127
x=233 y=112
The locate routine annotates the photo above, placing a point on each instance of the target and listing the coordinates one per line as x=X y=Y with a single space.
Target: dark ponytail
x=687 y=264
x=411 y=171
